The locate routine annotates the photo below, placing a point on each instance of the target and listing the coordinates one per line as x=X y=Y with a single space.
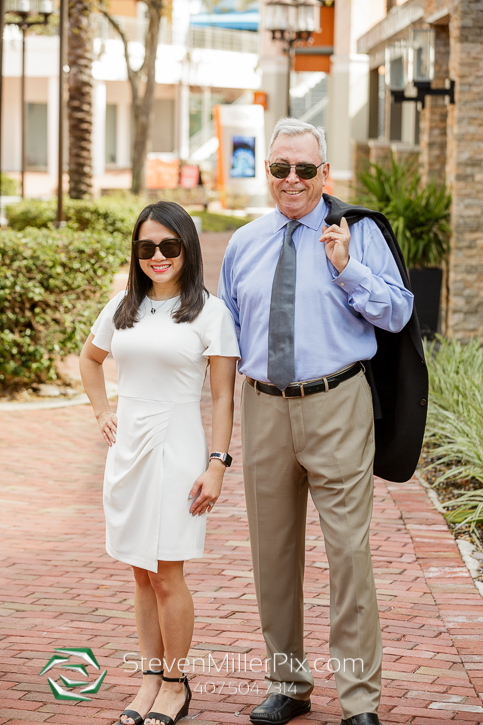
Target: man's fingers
x=343 y=224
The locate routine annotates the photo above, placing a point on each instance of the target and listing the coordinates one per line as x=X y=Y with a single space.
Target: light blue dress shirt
x=335 y=313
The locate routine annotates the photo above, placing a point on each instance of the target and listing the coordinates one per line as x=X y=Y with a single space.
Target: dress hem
x=134 y=561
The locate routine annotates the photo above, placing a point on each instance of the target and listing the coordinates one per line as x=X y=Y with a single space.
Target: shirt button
x=342 y=284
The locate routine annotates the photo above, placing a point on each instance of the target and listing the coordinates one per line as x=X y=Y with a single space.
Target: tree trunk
x=142 y=104
x=79 y=105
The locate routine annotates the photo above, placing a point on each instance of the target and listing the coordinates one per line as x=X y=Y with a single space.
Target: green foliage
x=52 y=285
x=455 y=420
x=113 y=214
x=420 y=217
x=219 y=222
x=9 y=186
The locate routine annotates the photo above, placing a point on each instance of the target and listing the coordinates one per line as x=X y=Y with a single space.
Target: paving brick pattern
x=60 y=589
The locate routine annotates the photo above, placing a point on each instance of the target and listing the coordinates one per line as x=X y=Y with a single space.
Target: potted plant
x=420 y=218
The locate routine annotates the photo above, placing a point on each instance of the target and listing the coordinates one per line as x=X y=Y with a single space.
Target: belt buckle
x=302 y=392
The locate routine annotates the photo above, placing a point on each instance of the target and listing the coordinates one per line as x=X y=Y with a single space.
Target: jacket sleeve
x=372 y=281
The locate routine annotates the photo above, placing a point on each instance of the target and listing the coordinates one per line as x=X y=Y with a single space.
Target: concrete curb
x=466 y=548
x=49 y=403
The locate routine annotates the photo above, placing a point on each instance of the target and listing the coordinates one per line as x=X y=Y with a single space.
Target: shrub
x=455 y=421
x=52 y=284
x=113 y=214
x=420 y=218
x=9 y=186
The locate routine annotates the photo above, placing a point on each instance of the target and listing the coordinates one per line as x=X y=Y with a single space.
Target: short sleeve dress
x=160 y=447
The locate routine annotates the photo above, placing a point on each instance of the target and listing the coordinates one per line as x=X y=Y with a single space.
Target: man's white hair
x=293 y=127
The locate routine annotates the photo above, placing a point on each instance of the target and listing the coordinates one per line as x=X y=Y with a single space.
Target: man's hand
x=336 y=240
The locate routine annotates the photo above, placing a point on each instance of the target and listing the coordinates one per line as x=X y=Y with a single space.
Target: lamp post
x=60 y=153
x=291 y=21
x=27 y=19
x=2 y=22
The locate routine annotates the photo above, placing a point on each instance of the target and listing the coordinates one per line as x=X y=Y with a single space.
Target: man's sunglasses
x=303 y=171
x=146 y=249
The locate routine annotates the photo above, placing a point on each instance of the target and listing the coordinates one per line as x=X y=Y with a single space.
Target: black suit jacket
x=397 y=374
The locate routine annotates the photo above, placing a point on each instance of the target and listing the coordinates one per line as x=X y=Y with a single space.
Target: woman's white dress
x=160 y=447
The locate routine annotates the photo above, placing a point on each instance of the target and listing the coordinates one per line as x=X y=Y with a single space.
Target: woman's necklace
x=153 y=309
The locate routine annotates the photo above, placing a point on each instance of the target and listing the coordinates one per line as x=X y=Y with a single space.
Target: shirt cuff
x=354 y=275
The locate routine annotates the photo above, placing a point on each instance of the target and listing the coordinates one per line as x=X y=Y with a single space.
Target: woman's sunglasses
x=146 y=249
x=303 y=171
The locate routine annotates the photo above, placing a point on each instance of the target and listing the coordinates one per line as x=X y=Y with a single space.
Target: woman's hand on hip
x=108 y=424
x=207 y=488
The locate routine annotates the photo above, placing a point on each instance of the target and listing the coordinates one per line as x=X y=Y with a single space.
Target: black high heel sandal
x=184 y=710
x=135 y=716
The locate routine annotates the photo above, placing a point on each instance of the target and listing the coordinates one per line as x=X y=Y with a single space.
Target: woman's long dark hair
x=192 y=289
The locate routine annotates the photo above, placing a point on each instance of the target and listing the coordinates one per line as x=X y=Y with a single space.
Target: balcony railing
x=242 y=41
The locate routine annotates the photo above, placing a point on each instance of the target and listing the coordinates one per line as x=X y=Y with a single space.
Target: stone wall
x=464 y=170
x=434 y=116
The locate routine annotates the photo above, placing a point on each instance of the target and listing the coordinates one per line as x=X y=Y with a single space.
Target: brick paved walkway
x=60 y=589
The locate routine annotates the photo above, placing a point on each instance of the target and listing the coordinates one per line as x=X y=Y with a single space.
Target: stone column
x=434 y=116
x=464 y=171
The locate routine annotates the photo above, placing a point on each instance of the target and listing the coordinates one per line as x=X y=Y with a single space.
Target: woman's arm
x=92 y=374
x=222 y=380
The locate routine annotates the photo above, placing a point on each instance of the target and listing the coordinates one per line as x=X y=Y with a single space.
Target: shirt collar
x=313 y=220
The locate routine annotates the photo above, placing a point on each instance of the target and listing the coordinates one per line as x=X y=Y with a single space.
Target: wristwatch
x=223 y=457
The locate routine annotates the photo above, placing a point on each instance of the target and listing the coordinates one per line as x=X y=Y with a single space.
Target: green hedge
x=9 y=185
x=113 y=214
x=52 y=285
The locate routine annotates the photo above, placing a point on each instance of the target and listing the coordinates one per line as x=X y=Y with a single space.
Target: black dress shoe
x=278 y=709
x=366 y=718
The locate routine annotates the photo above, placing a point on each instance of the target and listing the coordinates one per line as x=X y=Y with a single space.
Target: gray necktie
x=281 y=357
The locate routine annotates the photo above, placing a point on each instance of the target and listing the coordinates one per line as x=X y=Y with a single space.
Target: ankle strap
x=152 y=672
x=184 y=678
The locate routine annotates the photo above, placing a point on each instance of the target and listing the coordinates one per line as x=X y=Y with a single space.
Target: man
x=306 y=298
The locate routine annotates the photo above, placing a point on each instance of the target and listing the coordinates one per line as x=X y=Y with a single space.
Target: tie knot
x=292 y=226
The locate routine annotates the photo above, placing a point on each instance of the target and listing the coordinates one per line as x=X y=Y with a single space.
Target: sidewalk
x=60 y=589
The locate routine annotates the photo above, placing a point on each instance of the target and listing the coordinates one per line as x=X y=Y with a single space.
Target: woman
x=159 y=482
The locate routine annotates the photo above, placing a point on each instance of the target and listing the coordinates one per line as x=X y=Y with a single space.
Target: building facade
x=196 y=68
x=447 y=136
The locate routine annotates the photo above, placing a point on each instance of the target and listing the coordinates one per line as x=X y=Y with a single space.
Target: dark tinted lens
x=145 y=250
x=280 y=171
x=306 y=171
x=170 y=248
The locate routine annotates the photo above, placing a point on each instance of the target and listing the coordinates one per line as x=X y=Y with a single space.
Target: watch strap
x=223 y=457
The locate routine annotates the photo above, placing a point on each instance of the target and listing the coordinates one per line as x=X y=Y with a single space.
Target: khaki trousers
x=323 y=443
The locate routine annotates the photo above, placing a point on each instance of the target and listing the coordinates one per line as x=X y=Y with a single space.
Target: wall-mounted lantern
x=414 y=69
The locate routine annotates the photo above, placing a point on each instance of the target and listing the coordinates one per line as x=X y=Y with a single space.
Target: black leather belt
x=300 y=390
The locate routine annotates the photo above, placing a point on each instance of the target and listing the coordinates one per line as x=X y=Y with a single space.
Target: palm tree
x=142 y=83
x=79 y=105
